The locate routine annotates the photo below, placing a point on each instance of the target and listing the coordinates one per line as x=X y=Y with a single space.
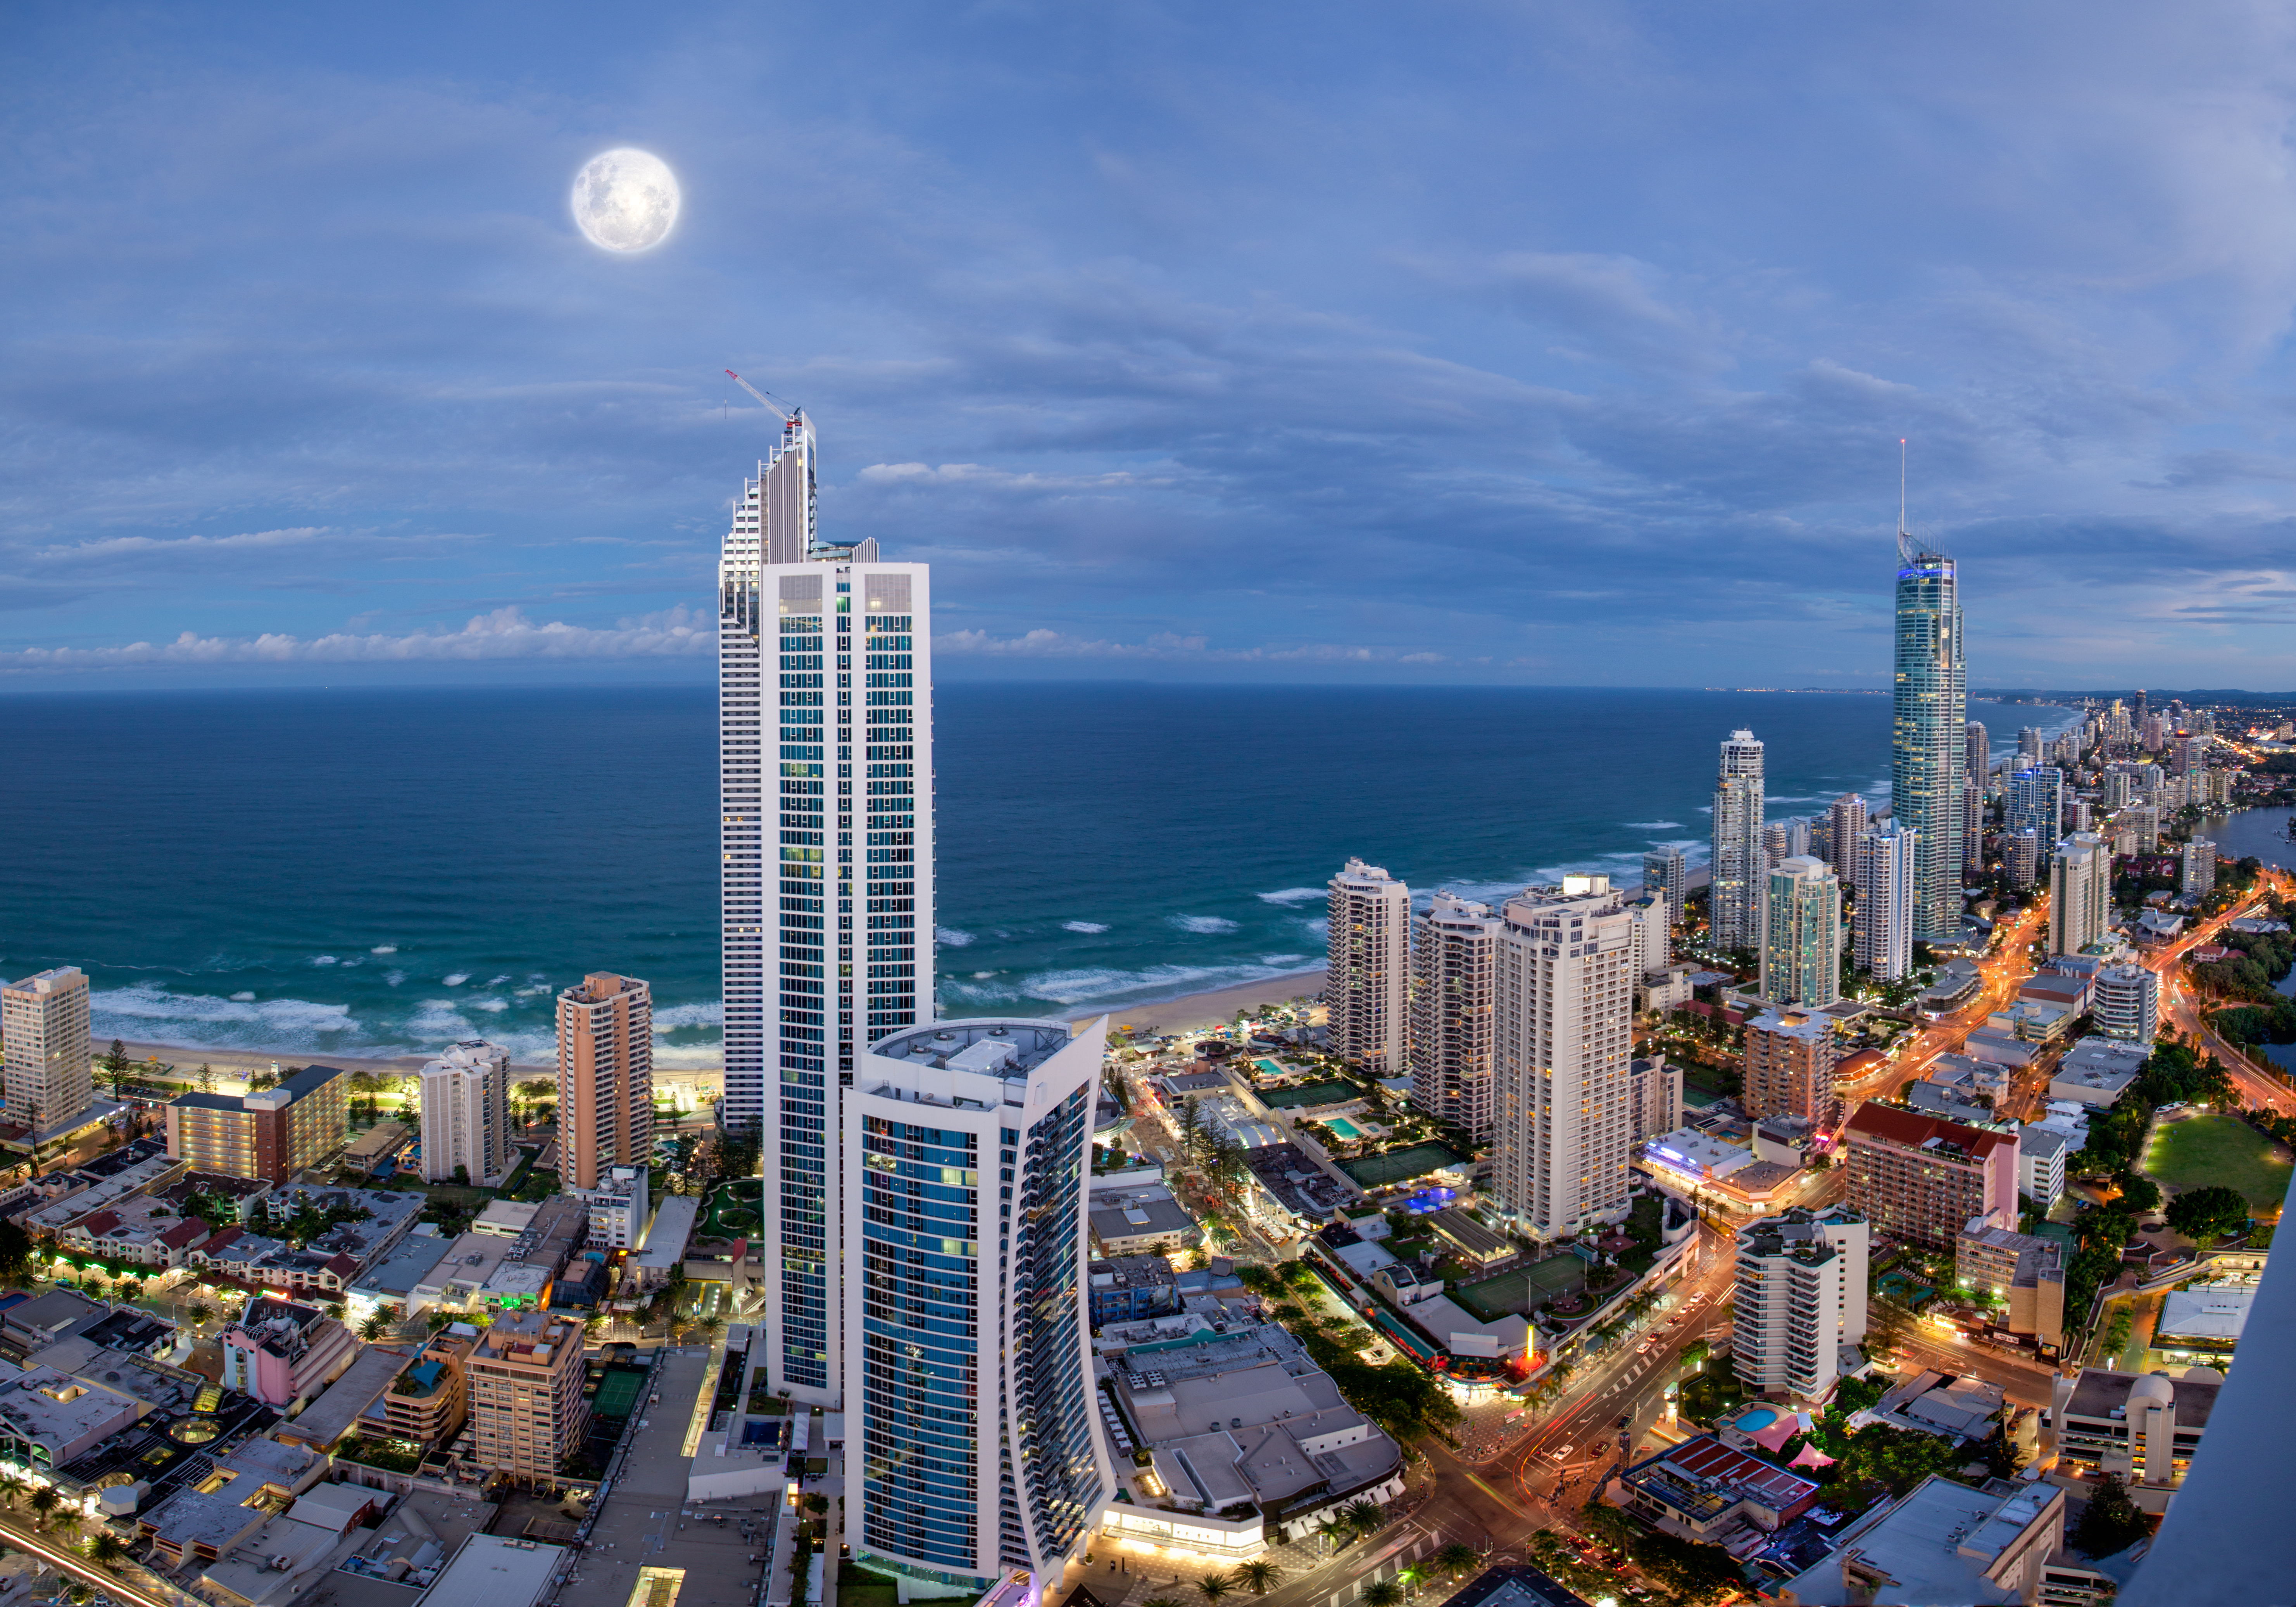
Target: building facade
x=605 y=1076
x=1887 y=889
x=970 y=1377
x=1665 y=873
x=1977 y=760
x=1791 y=1056
x=1565 y=1048
x=1454 y=987
x=279 y=1351
x=466 y=1114
x=2125 y=1002
x=1367 y=977
x=526 y=1409
x=1929 y=738
x=2035 y=802
x=1923 y=1179
x=1800 y=1298
x=1802 y=934
x=270 y=1134
x=1847 y=823
x=2080 y=893
x=44 y=1028
x=2200 y=868
x=1740 y=863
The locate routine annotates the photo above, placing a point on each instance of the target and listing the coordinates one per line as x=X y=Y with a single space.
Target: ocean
x=379 y=872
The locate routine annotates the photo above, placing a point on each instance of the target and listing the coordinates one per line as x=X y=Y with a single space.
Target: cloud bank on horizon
x=1534 y=345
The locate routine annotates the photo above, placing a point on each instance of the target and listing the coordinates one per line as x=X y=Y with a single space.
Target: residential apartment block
x=1800 y=1297
x=1790 y=1060
x=1367 y=978
x=44 y=1028
x=605 y=1076
x=269 y=1135
x=466 y=1114
x=1922 y=1179
x=1454 y=987
x=526 y=1407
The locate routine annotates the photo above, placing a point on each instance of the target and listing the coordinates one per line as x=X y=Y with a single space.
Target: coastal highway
x=2002 y=972
x=2180 y=1007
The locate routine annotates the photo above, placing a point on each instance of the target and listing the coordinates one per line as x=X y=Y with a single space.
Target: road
x=2002 y=972
x=2180 y=1007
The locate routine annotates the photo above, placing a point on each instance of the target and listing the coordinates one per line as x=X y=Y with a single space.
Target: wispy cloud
x=506 y=632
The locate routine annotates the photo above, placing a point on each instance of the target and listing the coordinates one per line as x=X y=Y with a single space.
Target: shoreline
x=1189 y=1010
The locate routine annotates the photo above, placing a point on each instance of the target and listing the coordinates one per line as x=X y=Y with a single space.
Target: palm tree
x=1160 y=1601
x=1381 y=1593
x=106 y=1550
x=1338 y=1533
x=66 y=1521
x=1258 y=1577
x=44 y=1502
x=1363 y=1517
x=1456 y=1558
x=1213 y=1587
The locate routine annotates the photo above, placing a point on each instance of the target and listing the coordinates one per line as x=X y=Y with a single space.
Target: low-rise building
x=271 y=1133
x=1128 y=1288
x=279 y=1351
x=48 y=1417
x=1701 y=1488
x=1943 y=1545
x=453 y=1283
x=2144 y=1429
x=618 y=1206
x=1921 y=1180
x=2096 y=1071
x=2203 y=1319
x=389 y=1286
x=505 y=1218
x=2025 y=1271
x=660 y=1258
x=426 y=1404
x=1137 y=1224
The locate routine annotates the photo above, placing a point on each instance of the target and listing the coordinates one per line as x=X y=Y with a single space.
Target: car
x=1562 y=1453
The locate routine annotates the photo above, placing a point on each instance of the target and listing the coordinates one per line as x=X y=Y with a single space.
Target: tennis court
x=1516 y=1290
x=1400 y=1166
x=618 y=1392
x=1331 y=1091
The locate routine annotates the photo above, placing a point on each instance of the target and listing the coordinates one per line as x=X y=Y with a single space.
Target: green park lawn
x=2219 y=1150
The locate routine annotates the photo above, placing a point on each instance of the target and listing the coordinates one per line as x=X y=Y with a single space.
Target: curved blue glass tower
x=1929 y=736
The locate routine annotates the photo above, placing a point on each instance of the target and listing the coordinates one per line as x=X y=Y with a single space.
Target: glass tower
x=826 y=828
x=1930 y=734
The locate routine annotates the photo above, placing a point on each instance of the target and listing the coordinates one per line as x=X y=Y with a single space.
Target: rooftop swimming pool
x=1345 y=1129
x=1268 y=1067
x=1755 y=1421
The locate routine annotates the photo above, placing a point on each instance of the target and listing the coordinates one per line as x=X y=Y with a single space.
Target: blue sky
x=1551 y=344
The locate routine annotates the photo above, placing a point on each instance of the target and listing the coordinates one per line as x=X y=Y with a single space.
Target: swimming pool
x=1268 y=1067
x=1755 y=1421
x=1345 y=1129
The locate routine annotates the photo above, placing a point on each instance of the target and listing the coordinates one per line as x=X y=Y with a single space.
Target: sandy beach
x=1192 y=1010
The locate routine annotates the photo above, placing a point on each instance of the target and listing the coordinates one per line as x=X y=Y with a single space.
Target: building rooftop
x=190 y=1518
x=1914 y=1131
x=1141 y=1219
x=493 y=1571
x=395 y=1276
x=672 y=1231
x=1699 y=1152
x=1808 y=1026
x=2103 y=1394
x=333 y=1414
x=2205 y=1314
x=1514 y=1586
x=1935 y=1545
x=1704 y=1474
x=985 y=1047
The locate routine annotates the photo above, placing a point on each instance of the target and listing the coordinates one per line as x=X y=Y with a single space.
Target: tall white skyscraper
x=466 y=1114
x=971 y=1414
x=1565 y=1016
x=43 y=1022
x=1734 y=905
x=1929 y=741
x=1664 y=873
x=1367 y=973
x=1801 y=1297
x=1801 y=942
x=1884 y=926
x=1848 y=819
x=833 y=950
x=2080 y=892
x=2035 y=802
x=1454 y=987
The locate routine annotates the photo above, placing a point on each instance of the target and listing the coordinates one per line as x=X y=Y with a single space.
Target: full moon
x=625 y=200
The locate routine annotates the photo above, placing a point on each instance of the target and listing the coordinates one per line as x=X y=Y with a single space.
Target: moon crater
x=625 y=200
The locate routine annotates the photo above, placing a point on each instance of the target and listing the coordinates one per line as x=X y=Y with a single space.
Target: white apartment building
x=620 y=1210
x=466 y=1114
x=1801 y=941
x=969 y=1387
x=1665 y=873
x=1800 y=1297
x=1848 y=823
x=1887 y=887
x=1740 y=863
x=2200 y=868
x=43 y=1020
x=2125 y=1002
x=834 y=950
x=2080 y=893
x=1652 y=930
x=1367 y=984
x=1565 y=1046
x=1453 y=990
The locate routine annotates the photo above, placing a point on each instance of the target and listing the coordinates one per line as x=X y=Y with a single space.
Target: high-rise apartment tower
x=1801 y=939
x=832 y=949
x=466 y=1114
x=1978 y=758
x=1664 y=873
x=1848 y=818
x=1884 y=930
x=2080 y=892
x=43 y=1020
x=1930 y=734
x=605 y=1076
x=1734 y=901
x=1454 y=986
x=1368 y=975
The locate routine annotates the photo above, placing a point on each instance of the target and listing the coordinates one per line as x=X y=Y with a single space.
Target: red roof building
x=1923 y=1179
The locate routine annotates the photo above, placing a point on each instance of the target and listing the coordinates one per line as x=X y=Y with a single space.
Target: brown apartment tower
x=605 y=1076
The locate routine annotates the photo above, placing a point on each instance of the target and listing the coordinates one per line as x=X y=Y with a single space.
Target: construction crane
x=760 y=395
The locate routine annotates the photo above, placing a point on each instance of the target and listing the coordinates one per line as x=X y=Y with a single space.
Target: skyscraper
x=605 y=1076
x=2200 y=868
x=1791 y=1056
x=1800 y=1299
x=1977 y=759
x=2128 y=1003
x=44 y=1021
x=1848 y=819
x=1801 y=941
x=969 y=1385
x=1930 y=734
x=1565 y=1014
x=1734 y=905
x=1663 y=872
x=1454 y=983
x=2080 y=892
x=1367 y=973
x=2035 y=802
x=1884 y=927
x=1973 y=827
x=837 y=951
x=466 y=1115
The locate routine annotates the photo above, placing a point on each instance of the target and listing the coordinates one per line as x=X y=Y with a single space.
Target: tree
x=106 y=1551
x=1214 y=1586
x=258 y=1081
x=44 y=1502
x=16 y=1254
x=206 y=1075
x=1456 y=1558
x=375 y=1327
x=2111 y=1522
x=2202 y=1213
x=1258 y=1577
x=1381 y=1593
x=1363 y=1517
x=2139 y=1193
x=463 y=1177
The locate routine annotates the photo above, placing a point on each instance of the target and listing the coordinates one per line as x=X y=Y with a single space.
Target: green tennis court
x=1400 y=1166
x=618 y=1392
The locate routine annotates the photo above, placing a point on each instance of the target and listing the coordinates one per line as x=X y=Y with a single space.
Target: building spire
x=1903 y=540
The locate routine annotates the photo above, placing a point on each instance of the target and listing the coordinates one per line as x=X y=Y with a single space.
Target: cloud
x=506 y=632
x=1053 y=644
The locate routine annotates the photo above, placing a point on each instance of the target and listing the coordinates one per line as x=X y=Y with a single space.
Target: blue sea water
x=373 y=872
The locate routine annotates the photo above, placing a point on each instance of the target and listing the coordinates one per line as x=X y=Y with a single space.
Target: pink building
x=278 y=1351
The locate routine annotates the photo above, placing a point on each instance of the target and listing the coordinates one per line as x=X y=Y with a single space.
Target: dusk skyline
x=1529 y=347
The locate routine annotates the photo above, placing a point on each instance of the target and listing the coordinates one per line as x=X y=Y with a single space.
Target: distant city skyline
x=312 y=376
